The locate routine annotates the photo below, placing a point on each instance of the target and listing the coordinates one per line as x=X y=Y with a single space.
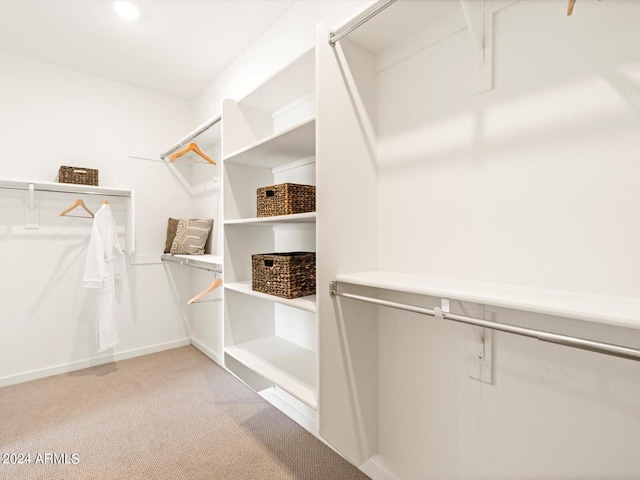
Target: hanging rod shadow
x=361 y=18
x=205 y=126
x=566 y=340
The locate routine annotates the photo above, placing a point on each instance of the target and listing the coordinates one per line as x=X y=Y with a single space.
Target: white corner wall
x=534 y=183
x=51 y=116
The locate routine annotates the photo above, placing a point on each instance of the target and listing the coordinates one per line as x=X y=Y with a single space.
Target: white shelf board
x=208 y=261
x=309 y=217
x=307 y=303
x=64 y=187
x=399 y=21
x=619 y=311
x=284 y=147
x=289 y=366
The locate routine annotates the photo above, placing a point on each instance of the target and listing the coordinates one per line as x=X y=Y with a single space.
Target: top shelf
x=618 y=311
x=64 y=188
x=399 y=21
x=295 y=143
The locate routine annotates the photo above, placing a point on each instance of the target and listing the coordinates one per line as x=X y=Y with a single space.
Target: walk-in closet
x=308 y=239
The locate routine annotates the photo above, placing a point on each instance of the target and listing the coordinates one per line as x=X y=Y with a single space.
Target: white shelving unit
x=268 y=139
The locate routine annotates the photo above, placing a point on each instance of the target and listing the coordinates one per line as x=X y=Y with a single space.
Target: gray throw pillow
x=191 y=236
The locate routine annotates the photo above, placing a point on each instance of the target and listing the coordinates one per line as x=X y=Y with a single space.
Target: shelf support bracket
x=480 y=26
x=32 y=219
x=473 y=11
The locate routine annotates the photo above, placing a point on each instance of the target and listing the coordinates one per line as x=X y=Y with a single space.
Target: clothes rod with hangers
x=358 y=20
x=566 y=340
x=205 y=126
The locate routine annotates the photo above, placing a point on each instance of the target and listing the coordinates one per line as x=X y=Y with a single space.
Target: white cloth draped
x=103 y=266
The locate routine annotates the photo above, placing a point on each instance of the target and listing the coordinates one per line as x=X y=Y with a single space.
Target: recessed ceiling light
x=126 y=10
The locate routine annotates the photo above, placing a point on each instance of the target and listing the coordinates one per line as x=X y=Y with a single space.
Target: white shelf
x=619 y=311
x=307 y=303
x=289 y=366
x=64 y=188
x=309 y=217
x=295 y=143
x=206 y=261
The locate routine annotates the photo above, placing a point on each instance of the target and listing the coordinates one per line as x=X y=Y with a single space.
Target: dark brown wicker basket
x=78 y=175
x=286 y=199
x=285 y=275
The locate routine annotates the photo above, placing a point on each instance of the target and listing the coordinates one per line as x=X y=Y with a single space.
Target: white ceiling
x=177 y=47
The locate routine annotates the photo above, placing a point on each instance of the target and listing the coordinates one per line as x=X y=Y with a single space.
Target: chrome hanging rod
x=568 y=341
x=358 y=20
x=205 y=126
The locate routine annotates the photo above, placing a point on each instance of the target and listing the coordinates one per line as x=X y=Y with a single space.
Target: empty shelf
x=289 y=366
x=296 y=143
x=303 y=303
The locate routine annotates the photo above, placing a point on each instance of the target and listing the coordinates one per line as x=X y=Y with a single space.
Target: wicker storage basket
x=286 y=275
x=78 y=175
x=286 y=199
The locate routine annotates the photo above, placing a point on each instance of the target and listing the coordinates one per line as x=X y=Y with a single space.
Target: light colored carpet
x=173 y=415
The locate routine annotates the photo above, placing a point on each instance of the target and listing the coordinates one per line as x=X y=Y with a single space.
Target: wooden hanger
x=192 y=147
x=78 y=203
x=215 y=284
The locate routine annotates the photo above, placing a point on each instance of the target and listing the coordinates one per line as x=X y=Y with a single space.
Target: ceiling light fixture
x=126 y=10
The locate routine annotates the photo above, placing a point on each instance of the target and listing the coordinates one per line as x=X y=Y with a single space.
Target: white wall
x=534 y=183
x=50 y=116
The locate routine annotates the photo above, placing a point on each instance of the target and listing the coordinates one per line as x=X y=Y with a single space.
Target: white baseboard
x=90 y=362
x=297 y=411
x=208 y=352
x=373 y=469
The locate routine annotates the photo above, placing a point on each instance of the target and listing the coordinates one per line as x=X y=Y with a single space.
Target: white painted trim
x=276 y=398
x=208 y=352
x=145 y=155
x=373 y=469
x=307 y=97
x=90 y=362
x=295 y=164
x=145 y=259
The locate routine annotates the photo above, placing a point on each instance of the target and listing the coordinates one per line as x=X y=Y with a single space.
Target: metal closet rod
x=75 y=192
x=358 y=20
x=205 y=126
x=566 y=340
